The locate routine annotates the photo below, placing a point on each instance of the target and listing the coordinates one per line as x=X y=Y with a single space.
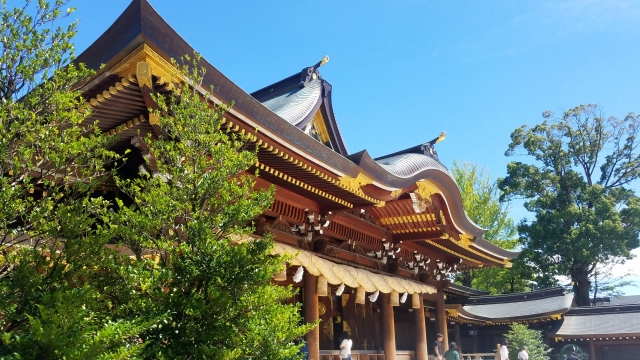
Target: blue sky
x=403 y=71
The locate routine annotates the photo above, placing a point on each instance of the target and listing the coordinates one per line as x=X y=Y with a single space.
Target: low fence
x=487 y=356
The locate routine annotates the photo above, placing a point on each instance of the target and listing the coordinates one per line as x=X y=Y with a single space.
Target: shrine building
x=374 y=239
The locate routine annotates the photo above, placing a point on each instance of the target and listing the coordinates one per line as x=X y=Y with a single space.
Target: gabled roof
x=299 y=97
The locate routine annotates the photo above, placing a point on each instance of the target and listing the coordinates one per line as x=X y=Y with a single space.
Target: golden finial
x=324 y=60
x=443 y=135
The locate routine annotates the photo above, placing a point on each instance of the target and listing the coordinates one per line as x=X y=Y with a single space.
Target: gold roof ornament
x=442 y=136
x=324 y=60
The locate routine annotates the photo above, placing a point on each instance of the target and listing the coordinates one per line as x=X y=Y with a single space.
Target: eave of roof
x=516 y=297
x=468 y=291
x=550 y=304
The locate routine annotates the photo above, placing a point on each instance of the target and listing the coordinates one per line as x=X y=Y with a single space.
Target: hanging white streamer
x=373 y=297
x=340 y=290
x=404 y=297
x=298 y=275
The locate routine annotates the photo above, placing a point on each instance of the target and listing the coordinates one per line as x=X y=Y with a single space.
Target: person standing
x=524 y=354
x=437 y=347
x=345 y=346
x=452 y=353
x=504 y=351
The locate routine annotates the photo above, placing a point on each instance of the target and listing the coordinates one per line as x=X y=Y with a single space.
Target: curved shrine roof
x=280 y=111
x=297 y=105
x=522 y=309
x=601 y=321
x=408 y=165
x=515 y=307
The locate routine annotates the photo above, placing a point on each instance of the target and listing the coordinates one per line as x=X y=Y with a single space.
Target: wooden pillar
x=388 y=328
x=311 y=314
x=592 y=350
x=421 y=332
x=458 y=338
x=441 y=318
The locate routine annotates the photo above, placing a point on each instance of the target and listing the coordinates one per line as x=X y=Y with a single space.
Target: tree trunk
x=581 y=285
x=595 y=289
x=466 y=279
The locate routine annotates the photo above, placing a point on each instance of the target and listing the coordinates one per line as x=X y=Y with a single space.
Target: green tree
x=520 y=335
x=69 y=287
x=578 y=188
x=193 y=210
x=480 y=198
x=55 y=272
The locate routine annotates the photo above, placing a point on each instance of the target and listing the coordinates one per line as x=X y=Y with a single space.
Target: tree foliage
x=520 y=335
x=192 y=211
x=578 y=188
x=69 y=287
x=52 y=292
x=480 y=198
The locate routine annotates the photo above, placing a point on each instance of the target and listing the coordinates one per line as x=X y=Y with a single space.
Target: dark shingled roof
x=298 y=98
x=297 y=105
x=601 y=321
x=468 y=291
x=408 y=165
x=519 y=306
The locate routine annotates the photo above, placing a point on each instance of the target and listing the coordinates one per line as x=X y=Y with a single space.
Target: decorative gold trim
x=126 y=125
x=452 y=312
x=345 y=299
x=441 y=247
x=346 y=327
x=408 y=231
x=397 y=192
x=327 y=328
x=426 y=188
x=143 y=74
x=322 y=308
x=353 y=184
x=465 y=242
x=324 y=60
x=305 y=186
x=154 y=119
x=407 y=219
x=157 y=65
x=101 y=98
x=270 y=148
x=320 y=126
x=557 y=316
x=442 y=218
